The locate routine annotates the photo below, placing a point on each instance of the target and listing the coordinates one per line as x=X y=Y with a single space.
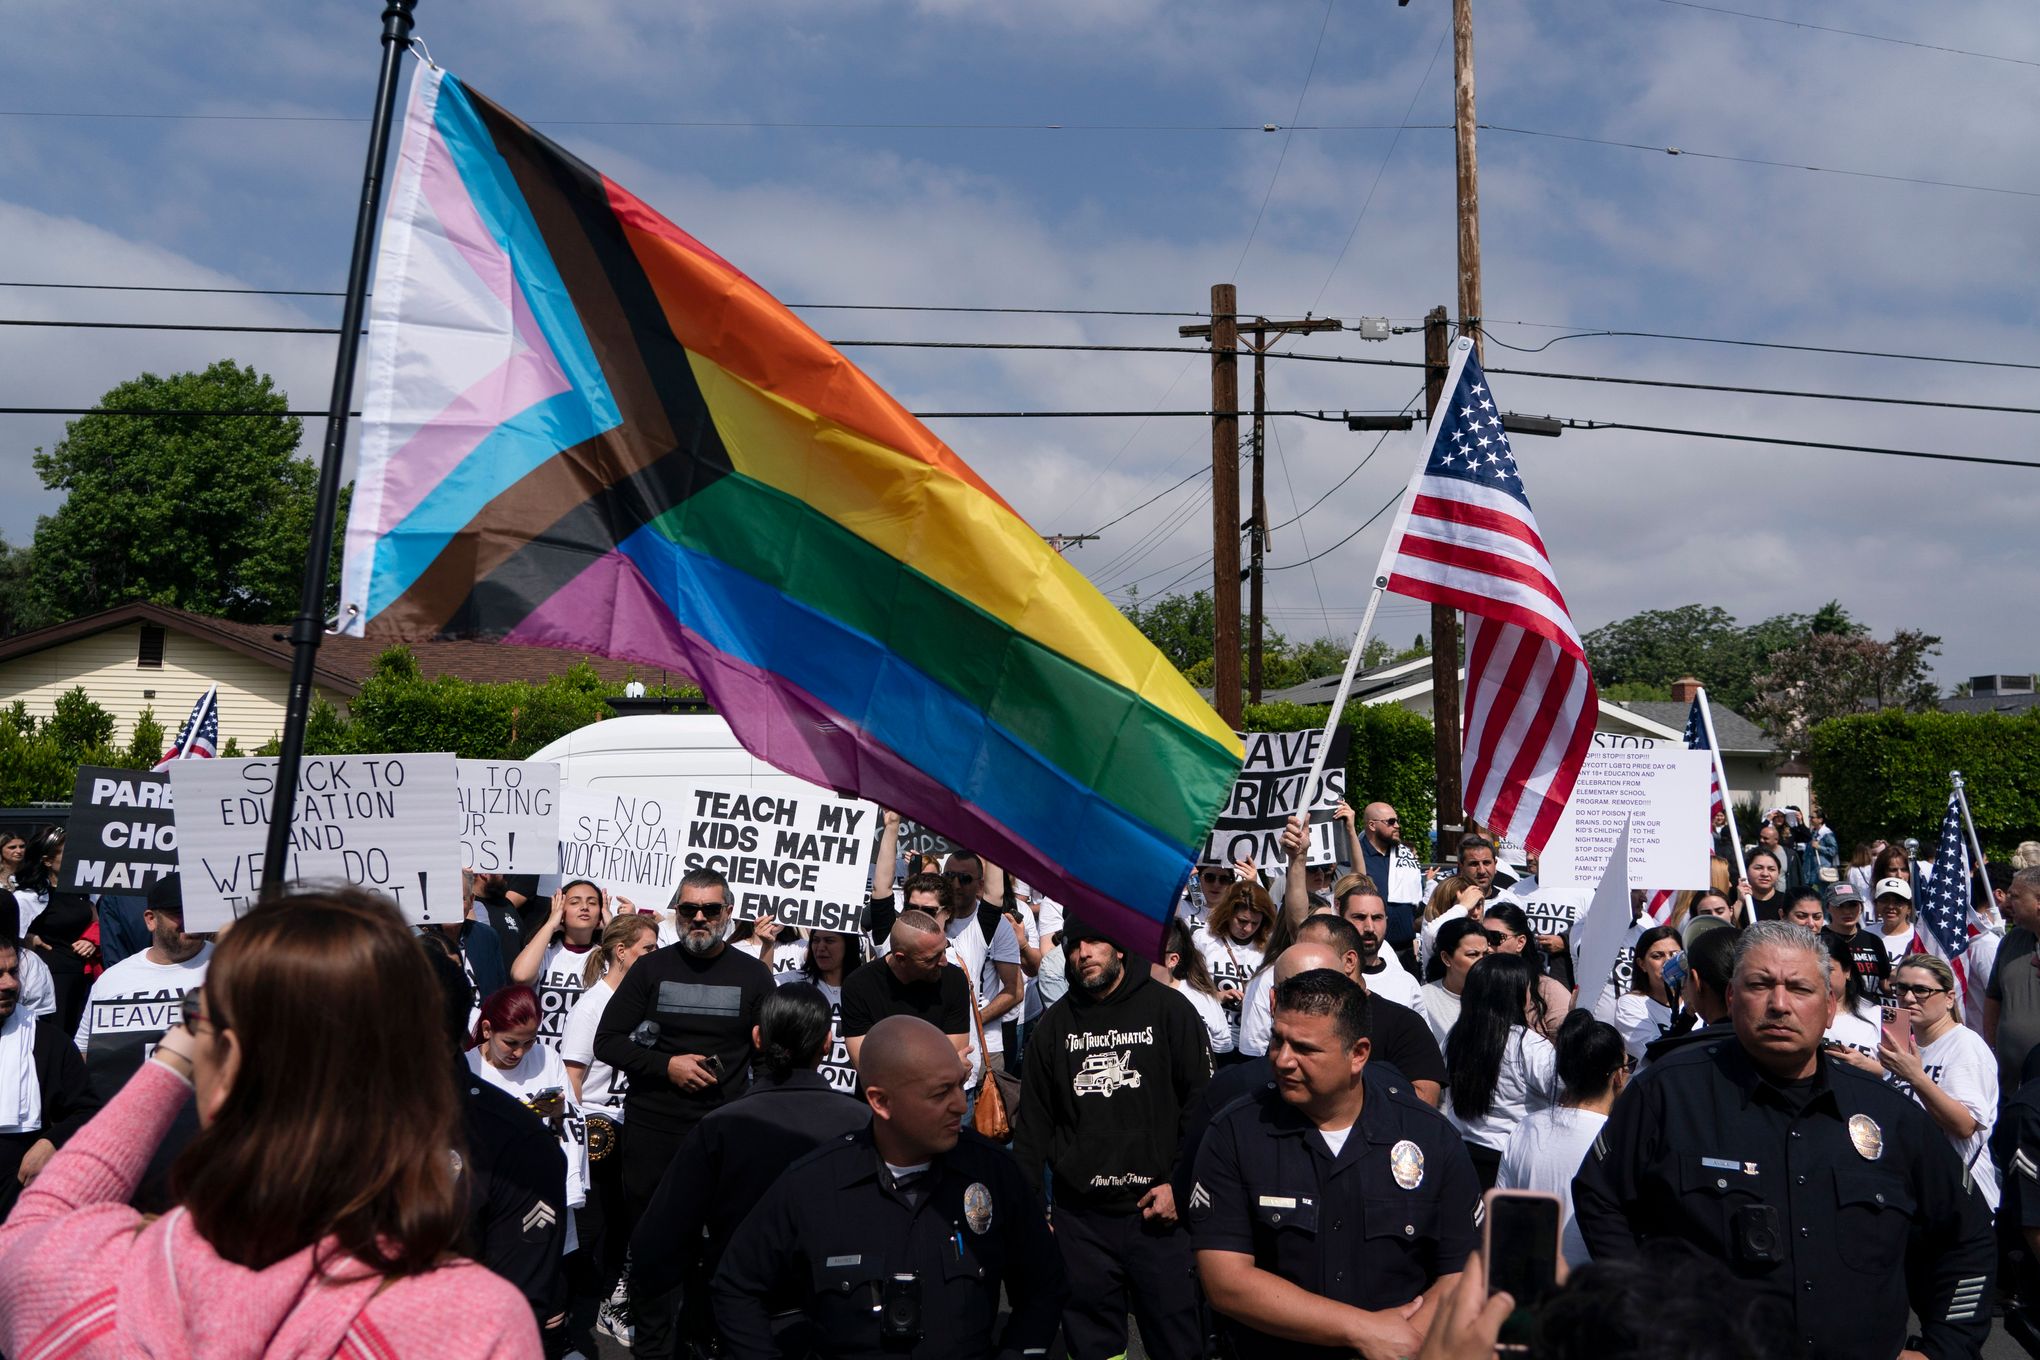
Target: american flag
x=1944 y=897
x=1660 y=906
x=200 y=735
x=1469 y=540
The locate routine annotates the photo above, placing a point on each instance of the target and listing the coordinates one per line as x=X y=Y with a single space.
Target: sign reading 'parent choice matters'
x=1270 y=790
x=388 y=823
x=804 y=859
x=1660 y=789
x=122 y=835
x=509 y=815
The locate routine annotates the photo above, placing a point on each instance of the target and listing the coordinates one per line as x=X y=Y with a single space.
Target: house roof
x=1737 y=734
x=1990 y=703
x=343 y=662
x=1324 y=688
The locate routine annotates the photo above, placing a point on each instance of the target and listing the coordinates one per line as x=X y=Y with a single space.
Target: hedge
x=1394 y=758
x=39 y=760
x=1886 y=774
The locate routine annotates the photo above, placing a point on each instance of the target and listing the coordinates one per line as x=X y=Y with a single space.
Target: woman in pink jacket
x=319 y=1207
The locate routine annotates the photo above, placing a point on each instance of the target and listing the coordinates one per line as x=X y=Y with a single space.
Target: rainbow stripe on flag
x=584 y=429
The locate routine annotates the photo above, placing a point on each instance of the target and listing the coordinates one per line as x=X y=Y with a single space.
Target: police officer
x=1327 y=1208
x=738 y=1150
x=895 y=1241
x=1818 y=1185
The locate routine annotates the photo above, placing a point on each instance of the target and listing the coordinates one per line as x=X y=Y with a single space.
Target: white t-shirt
x=1041 y=920
x=1216 y=1026
x=1335 y=1139
x=977 y=958
x=559 y=986
x=1232 y=964
x=38 y=988
x=131 y=1006
x=1618 y=979
x=1544 y=1153
x=1440 y=1010
x=1427 y=936
x=538 y=1073
x=1857 y=1029
x=1527 y=1082
x=835 y=1066
x=1393 y=983
x=1255 y=1029
x=602 y=1086
x=1965 y=1068
x=789 y=953
x=1641 y=1018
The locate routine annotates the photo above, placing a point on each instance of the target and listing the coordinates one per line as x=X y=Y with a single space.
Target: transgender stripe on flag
x=584 y=429
x=1466 y=537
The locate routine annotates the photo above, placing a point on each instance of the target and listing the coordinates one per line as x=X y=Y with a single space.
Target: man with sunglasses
x=986 y=946
x=680 y=1027
x=1396 y=870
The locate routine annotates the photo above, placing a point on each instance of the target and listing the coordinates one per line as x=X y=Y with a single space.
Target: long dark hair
x=1449 y=936
x=342 y=1121
x=1497 y=991
x=1590 y=1052
x=853 y=954
x=35 y=871
x=793 y=1029
x=1854 y=994
x=1511 y=915
x=1190 y=966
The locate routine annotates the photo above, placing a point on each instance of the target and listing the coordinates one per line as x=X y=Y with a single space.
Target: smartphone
x=1520 y=1244
x=714 y=1066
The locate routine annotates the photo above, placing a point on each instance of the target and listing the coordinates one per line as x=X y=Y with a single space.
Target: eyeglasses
x=1389 y=821
x=192 y=1009
x=1903 y=989
x=1629 y=1065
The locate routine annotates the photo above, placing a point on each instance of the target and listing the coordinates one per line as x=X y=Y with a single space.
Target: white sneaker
x=613 y=1321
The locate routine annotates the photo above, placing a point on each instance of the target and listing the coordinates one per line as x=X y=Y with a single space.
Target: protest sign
x=509 y=815
x=122 y=833
x=1551 y=909
x=804 y=859
x=388 y=823
x=1598 y=941
x=1270 y=790
x=916 y=839
x=624 y=837
x=1659 y=788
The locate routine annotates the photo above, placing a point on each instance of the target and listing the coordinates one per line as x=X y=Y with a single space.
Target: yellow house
x=145 y=657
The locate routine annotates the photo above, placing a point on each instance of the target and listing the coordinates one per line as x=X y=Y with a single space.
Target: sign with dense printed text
x=122 y=832
x=387 y=823
x=509 y=815
x=1270 y=790
x=1660 y=790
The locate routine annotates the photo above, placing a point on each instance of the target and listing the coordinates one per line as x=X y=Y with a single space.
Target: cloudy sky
x=871 y=152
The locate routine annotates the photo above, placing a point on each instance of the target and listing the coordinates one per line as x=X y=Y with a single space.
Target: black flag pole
x=309 y=625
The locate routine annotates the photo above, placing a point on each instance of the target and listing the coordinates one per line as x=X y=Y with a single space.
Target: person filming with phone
x=1329 y=1209
x=1817 y=1185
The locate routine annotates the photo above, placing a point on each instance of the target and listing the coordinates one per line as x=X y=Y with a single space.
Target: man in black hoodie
x=1112 y=1070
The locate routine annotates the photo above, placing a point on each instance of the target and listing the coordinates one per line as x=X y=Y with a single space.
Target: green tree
x=194 y=510
x=1182 y=627
x=18 y=613
x=1653 y=648
x=149 y=741
x=1833 y=675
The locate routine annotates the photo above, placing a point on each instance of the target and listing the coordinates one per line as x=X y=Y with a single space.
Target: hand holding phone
x=1520 y=1247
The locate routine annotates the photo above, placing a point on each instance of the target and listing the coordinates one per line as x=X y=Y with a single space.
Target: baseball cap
x=166 y=895
x=1893 y=887
x=1841 y=894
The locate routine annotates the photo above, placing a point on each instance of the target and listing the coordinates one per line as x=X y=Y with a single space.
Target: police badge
x=1868 y=1138
x=977 y=1208
x=1406 y=1160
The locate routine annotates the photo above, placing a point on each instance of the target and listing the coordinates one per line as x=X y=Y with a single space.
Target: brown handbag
x=990 y=1118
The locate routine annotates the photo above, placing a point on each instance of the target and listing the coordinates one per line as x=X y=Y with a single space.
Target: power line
x=1759 y=160
x=1200 y=472
x=1317 y=587
x=1349 y=475
x=1348 y=538
x=1850 y=33
x=1309 y=72
x=1751 y=344
x=1784 y=442
x=735 y=124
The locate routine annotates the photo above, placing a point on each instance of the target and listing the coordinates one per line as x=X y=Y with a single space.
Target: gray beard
x=700 y=943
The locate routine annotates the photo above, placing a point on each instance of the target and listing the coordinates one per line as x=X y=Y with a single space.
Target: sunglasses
x=1904 y=989
x=192 y=1009
x=1215 y=876
x=1389 y=821
x=955 y=877
x=688 y=911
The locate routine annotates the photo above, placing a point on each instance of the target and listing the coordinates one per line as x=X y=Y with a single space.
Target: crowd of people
x=980 y=1128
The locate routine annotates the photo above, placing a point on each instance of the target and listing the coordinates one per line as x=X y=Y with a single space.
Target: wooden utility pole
x=1260 y=328
x=1444 y=629
x=1257 y=535
x=1225 y=502
x=1445 y=619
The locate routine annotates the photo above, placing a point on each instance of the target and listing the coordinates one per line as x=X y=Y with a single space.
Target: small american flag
x=1696 y=740
x=1468 y=539
x=1944 y=897
x=200 y=735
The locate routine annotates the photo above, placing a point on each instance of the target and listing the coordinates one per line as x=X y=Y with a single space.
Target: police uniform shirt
x=835 y=1229
x=1373 y=1226
x=2015 y=1143
x=1809 y=1191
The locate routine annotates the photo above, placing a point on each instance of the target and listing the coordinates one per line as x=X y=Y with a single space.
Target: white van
x=668 y=752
